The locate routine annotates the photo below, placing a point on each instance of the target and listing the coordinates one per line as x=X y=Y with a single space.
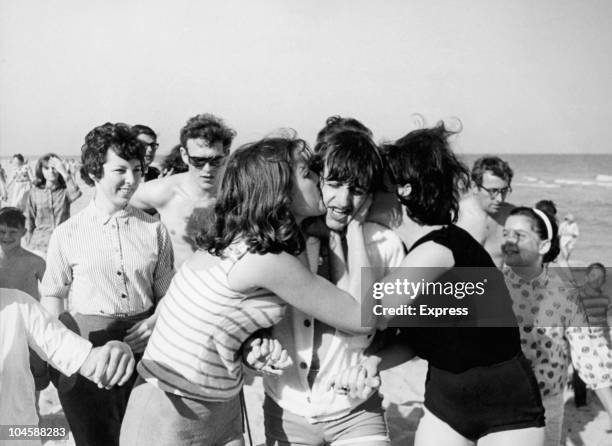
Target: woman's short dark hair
x=351 y=157
x=254 y=199
x=210 y=128
x=39 y=178
x=117 y=137
x=539 y=227
x=424 y=160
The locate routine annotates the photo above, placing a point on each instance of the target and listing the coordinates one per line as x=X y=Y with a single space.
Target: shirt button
x=124 y=295
x=118 y=273
x=307 y=322
x=303 y=365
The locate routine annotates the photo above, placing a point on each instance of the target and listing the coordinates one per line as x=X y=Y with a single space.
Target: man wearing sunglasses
x=185 y=200
x=483 y=210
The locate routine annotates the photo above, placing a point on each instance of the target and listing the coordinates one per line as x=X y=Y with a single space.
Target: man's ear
x=404 y=191
x=184 y=155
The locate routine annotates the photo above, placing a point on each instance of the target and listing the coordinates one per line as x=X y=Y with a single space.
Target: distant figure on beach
x=173 y=163
x=597 y=306
x=149 y=139
x=3 y=190
x=19 y=185
x=568 y=234
x=185 y=201
x=49 y=201
x=483 y=209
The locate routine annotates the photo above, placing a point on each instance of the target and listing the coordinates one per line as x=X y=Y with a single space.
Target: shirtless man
x=185 y=200
x=483 y=209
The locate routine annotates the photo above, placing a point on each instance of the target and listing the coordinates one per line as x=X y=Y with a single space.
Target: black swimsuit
x=478 y=380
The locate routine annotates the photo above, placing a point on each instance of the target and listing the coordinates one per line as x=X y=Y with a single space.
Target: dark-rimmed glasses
x=494 y=191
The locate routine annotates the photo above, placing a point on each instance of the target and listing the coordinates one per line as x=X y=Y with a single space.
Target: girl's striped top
x=194 y=350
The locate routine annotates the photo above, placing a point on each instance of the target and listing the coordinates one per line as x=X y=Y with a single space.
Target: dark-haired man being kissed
x=184 y=201
x=299 y=407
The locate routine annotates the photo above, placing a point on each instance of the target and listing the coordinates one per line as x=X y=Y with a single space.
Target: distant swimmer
x=568 y=234
x=483 y=209
x=185 y=200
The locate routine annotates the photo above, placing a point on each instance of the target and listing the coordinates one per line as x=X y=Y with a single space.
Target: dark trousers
x=94 y=414
x=580 y=390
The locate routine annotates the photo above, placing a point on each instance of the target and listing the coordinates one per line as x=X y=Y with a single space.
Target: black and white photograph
x=275 y=223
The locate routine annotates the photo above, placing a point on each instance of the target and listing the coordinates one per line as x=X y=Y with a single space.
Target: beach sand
x=402 y=388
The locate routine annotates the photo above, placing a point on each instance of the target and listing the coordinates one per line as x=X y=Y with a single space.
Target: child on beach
x=21 y=270
x=49 y=201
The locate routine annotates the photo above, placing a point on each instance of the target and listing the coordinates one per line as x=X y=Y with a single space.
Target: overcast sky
x=522 y=75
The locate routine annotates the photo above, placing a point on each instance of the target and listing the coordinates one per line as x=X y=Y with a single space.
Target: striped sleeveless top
x=194 y=350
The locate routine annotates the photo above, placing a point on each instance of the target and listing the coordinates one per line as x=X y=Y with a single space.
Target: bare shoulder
x=32 y=259
x=263 y=270
x=155 y=193
x=429 y=255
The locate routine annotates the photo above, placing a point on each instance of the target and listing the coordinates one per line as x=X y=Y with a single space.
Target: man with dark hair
x=299 y=407
x=184 y=201
x=483 y=209
x=149 y=139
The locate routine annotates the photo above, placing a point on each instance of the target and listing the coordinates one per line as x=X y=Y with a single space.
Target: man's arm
x=153 y=194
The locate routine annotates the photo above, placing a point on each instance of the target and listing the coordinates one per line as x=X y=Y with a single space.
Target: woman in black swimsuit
x=479 y=385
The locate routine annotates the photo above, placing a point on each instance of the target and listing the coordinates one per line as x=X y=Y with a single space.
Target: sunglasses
x=494 y=192
x=200 y=161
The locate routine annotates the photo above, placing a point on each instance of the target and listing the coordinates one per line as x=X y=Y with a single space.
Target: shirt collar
x=541 y=281
x=103 y=218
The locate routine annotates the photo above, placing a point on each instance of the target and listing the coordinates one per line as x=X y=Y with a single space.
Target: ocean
x=580 y=184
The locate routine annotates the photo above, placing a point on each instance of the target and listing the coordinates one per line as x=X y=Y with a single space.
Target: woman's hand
x=357 y=381
x=139 y=334
x=265 y=355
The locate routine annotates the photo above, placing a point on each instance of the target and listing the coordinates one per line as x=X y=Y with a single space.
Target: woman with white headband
x=552 y=322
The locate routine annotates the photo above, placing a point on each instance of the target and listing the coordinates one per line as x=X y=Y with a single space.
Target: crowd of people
x=173 y=281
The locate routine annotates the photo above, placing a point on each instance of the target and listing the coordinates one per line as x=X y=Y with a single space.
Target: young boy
x=21 y=270
x=25 y=323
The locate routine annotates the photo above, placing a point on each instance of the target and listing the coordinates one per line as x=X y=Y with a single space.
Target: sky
x=523 y=76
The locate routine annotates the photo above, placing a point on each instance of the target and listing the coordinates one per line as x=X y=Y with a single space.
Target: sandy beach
x=402 y=388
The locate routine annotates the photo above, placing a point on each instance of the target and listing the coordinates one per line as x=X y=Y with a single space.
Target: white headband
x=546 y=220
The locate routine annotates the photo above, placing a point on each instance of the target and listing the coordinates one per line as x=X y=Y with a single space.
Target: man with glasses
x=184 y=201
x=483 y=210
x=149 y=139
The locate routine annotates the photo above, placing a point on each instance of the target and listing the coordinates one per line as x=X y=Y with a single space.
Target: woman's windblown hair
x=253 y=203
